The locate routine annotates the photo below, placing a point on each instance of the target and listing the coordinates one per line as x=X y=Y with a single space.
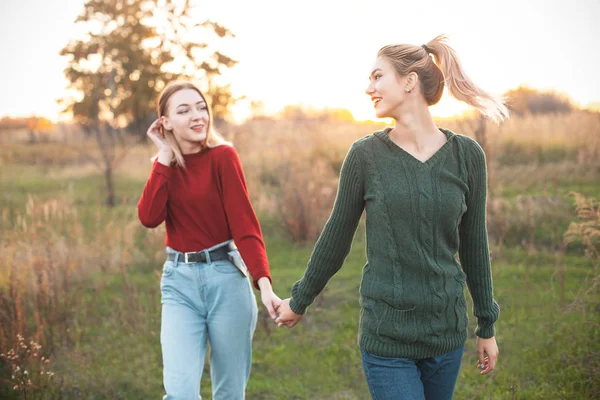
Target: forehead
x=381 y=63
x=185 y=96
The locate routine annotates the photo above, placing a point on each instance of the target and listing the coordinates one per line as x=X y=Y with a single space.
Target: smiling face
x=187 y=117
x=386 y=88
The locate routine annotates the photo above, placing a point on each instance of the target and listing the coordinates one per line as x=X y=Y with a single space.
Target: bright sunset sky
x=319 y=53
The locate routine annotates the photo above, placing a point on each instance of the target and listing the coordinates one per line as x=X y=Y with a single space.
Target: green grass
x=546 y=353
x=113 y=348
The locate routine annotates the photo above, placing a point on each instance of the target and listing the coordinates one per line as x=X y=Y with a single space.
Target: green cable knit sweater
x=419 y=216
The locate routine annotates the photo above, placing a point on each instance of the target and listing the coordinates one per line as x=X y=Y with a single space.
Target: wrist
x=165 y=157
x=264 y=284
x=297 y=308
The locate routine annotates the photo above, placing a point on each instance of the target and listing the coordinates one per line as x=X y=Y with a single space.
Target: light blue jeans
x=206 y=302
x=430 y=378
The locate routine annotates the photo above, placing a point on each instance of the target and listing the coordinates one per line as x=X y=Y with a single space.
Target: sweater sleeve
x=152 y=207
x=242 y=221
x=334 y=243
x=474 y=251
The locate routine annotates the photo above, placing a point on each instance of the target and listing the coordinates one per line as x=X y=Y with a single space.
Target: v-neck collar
x=384 y=136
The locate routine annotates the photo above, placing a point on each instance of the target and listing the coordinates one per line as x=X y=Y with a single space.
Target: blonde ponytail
x=460 y=86
x=443 y=69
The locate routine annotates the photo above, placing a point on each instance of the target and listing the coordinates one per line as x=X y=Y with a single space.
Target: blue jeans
x=206 y=302
x=431 y=378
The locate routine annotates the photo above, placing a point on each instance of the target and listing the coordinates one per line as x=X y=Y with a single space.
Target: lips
x=376 y=100
x=197 y=128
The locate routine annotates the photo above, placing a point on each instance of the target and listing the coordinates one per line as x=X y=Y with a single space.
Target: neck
x=414 y=125
x=189 y=147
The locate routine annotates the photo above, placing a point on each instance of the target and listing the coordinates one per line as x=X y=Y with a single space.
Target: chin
x=199 y=137
x=380 y=114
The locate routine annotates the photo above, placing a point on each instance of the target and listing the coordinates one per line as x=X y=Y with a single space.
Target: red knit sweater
x=204 y=204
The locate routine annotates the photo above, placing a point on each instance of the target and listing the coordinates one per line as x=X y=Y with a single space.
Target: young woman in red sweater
x=197 y=187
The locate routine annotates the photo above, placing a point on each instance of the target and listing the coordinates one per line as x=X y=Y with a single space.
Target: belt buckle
x=185 y=258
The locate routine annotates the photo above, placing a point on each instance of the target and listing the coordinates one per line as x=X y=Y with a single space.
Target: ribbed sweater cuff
x=298 y=308
x=486 y=332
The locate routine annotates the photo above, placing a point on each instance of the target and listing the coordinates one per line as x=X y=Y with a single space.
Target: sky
x=319 y=53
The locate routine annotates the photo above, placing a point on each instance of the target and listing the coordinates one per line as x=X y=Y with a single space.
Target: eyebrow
x=200 y=102
x=375 y=70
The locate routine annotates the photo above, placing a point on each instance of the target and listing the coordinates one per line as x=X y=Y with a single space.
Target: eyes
x=375 y=77
x=186 y=110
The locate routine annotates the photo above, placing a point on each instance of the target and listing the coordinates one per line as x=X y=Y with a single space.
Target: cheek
x=177 y=122
x=383 y=87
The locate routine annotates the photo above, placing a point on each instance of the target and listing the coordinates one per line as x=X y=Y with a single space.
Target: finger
x=493 y=359
x=292 y=323
x=153 y=134
x=155 y=125
x=486 y=366
x=271 y=311
x=481 y=364
x=481 y=355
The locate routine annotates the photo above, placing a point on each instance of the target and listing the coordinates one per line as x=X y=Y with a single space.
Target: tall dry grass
x=292 y=168
x=49 y=258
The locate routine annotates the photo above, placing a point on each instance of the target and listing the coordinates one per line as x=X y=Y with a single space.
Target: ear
x=166 y=123
x=412 y=79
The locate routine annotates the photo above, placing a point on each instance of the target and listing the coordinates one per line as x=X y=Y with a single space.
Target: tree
x=38 y=125
x=525 y=100
x=133 y=48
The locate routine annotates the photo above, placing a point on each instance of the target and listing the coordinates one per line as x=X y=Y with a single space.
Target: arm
x=335 y=241
x=475 y=259
x=473 y=251
x=243 y=223
x=245 y=228
x=152 y=207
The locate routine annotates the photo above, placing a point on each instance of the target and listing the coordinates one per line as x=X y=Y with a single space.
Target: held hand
x=286 y=316
x=271 y=302
x=158 y=139
x=487 y=350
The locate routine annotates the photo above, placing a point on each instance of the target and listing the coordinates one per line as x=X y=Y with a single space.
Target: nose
x=196 y=114
x=370 y=89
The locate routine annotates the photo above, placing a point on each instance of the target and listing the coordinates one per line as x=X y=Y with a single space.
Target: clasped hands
x=279 y=310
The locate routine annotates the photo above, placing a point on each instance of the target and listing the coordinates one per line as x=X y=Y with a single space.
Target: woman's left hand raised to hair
x=269 y=299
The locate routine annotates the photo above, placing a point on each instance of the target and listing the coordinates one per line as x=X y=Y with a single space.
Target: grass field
x=82 y=280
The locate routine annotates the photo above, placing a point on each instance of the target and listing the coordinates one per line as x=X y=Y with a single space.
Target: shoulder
x=470 y=148
x=364 y=142
x=469 y=144
x=225 y=157
x=224 y=153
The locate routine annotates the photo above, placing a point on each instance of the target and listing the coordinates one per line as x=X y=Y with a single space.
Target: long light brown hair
x=444 y=69
x=213 y=138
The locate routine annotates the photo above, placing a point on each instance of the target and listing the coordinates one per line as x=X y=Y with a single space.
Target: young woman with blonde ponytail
x=197 y=187
x=424 y=192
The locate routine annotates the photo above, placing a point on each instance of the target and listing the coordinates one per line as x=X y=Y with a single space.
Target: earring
x=407 y=90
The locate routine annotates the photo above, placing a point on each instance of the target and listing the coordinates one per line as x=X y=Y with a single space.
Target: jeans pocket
x=168 y=268
x=396 y=325
x=225 y=267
